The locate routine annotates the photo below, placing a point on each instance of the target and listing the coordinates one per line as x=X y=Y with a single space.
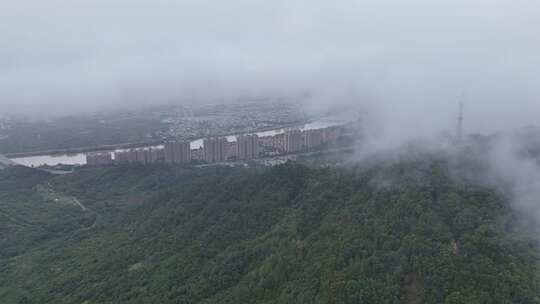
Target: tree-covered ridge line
x=395 y=233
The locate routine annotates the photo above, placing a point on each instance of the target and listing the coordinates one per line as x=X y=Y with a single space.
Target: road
x=79 y=203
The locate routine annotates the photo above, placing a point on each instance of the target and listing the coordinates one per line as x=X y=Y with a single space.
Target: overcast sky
x=403 y=57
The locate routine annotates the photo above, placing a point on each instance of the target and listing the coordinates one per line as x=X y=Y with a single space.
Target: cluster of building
x=95 y=159
x=219 y=149
x=247 y=115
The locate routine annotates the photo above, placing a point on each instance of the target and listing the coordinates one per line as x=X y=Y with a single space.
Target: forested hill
x=399 y=233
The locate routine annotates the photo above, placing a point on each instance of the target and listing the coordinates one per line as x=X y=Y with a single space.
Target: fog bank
x=407 y=60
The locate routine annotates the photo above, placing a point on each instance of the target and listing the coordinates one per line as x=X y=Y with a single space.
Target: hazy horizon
x=407 y=61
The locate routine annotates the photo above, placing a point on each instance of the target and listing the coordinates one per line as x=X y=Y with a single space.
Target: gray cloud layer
x=405 y=59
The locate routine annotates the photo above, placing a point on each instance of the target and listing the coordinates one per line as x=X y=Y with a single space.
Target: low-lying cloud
x=508 y=162
x=409 y=60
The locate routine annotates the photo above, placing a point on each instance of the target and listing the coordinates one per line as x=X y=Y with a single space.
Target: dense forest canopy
x=401 y=232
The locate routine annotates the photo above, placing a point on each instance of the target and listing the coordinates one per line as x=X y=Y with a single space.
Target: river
x=80 y=158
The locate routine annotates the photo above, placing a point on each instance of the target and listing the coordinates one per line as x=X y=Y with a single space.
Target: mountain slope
x=398 y=233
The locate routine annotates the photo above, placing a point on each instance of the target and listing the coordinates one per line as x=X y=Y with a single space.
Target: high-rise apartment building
x=177 y=152
x=140 y=156
x=169 y=152
x=154 y=155
x=330 y=135
x=313 y=138
x=182 y=152
x=293 y=141
x=98 y=159
x=121 y=157
x=247 y=146
x=132 y=156
x=214 y=149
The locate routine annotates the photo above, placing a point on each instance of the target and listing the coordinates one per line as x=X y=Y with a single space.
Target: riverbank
x=77 y=156
x=112 y=147
x=83 y=149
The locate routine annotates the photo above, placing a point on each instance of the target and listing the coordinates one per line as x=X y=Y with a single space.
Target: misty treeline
x=394 y=232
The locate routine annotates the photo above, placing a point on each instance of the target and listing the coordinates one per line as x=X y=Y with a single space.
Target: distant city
x=23 y=136
x=220 y=150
